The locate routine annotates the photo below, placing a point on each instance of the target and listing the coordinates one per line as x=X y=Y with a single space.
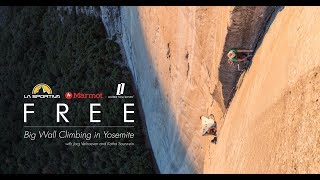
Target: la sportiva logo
x=45 y=89
x=41 y=91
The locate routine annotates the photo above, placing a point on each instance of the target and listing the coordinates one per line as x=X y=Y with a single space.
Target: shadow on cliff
x=249 y=24
x=162 y=129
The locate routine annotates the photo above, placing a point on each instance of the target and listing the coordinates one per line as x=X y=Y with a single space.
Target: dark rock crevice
x=248 y=26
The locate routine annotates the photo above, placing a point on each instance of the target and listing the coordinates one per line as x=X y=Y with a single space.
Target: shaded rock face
x=111 y=19
x=175 y=76
x=87 y=10
x=247 y=29
x=169 y=152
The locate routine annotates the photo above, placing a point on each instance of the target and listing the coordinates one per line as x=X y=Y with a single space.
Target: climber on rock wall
x=238 y=55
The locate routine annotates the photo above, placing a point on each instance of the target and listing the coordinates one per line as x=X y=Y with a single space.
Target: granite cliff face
x=111 y=18
x=176 y=77
x=273 y=122
x=175 y=55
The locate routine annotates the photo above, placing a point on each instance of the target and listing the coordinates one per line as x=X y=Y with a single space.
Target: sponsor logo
x=41 y=91
x=120 y=92
x=44 y=91
x=120 y=89
x=68 y=95
x=79 y=95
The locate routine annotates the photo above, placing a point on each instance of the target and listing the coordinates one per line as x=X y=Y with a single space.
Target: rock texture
x=174 y=54
x=177 y=58
x=272 y=125
x=248 y=27
x=111 y=17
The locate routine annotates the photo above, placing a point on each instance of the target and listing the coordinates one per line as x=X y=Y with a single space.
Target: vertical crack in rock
x=188 y=69
x=248 y=27
x=168 y=51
